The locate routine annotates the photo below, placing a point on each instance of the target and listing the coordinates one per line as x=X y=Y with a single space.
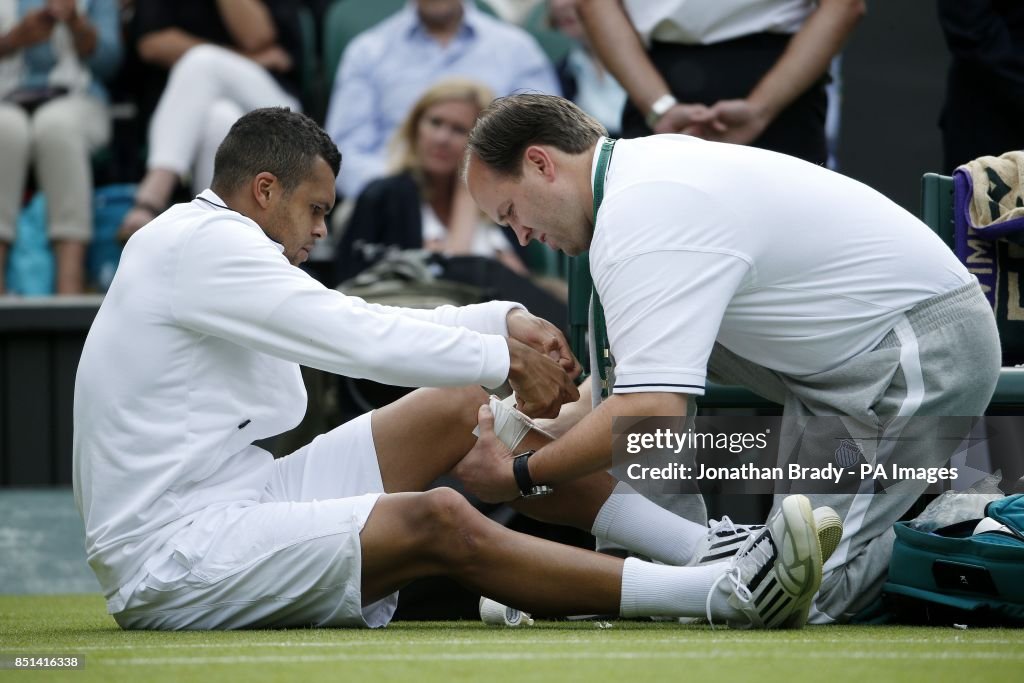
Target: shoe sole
x=830 y=532
x=802 y=571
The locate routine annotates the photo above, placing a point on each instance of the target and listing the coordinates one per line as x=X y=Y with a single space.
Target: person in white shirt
x=749 y=267
x=195 y=354
x=743 y=71
x=386 y=68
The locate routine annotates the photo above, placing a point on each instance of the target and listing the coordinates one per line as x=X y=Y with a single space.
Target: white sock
x=634 y=522
x=650 y=590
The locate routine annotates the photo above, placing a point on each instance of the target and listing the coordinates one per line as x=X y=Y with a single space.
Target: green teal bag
x=952 y=575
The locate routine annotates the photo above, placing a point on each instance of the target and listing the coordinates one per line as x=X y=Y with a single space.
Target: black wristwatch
x=521 y=471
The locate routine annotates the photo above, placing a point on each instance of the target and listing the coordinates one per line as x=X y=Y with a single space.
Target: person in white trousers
x=209 y=88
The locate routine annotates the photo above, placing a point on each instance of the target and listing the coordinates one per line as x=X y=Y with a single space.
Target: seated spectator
x=425 y=204
x=224 y=59
x=386 y=69
x=53 y=115
x=583 y=77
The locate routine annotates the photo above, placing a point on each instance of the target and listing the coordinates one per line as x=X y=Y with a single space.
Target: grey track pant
x=941 y=359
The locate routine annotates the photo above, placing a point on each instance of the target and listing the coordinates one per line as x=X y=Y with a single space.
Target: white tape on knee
x=510 y=425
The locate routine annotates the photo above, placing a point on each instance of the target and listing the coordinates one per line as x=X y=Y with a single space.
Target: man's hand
x=486 y=470
x=62 y=10
x=571 y=413
x=35 y=27
x=273 y=58
x=683 y=118
x=543 y=337
x=540 y=383
x=736 y=121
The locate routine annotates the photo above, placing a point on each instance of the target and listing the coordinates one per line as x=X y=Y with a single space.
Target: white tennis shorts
x=290 y=559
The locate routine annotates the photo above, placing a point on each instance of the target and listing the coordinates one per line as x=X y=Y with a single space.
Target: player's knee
x=454 y=528
x=445 y=509
x=200 y=60
x=462 y=403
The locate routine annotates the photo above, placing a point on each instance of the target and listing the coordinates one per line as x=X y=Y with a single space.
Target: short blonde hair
x=403 y=144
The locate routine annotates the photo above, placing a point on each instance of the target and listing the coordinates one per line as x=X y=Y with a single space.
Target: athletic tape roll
x=496 y=614
x=510 y=425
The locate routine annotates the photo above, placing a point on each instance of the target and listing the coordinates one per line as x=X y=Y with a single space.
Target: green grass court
x=54 y=625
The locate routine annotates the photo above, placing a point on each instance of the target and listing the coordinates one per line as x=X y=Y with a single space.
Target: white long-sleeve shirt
x=195 y=354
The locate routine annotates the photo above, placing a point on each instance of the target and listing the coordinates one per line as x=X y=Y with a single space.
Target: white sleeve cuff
x=496 y=361
x=668 y=382
x=488 y=318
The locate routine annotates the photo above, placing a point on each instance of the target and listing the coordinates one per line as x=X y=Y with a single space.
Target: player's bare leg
x=409 y=535
x=424 y=434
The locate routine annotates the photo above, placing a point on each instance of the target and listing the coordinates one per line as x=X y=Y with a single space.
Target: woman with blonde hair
x=424 y=203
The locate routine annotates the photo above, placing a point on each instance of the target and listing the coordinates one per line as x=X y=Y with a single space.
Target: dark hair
x=277 y=140
x=511 y=124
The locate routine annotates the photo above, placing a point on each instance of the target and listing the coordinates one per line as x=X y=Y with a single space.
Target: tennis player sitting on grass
x=195 y=354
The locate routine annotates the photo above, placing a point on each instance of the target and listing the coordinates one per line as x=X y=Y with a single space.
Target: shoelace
x=725 y=525
x=743 y=594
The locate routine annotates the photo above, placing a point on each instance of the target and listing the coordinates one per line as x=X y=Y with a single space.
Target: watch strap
x=521 y=472
x=658 y=109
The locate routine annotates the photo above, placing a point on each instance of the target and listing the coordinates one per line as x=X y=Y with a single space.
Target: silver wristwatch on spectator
x=659 y=108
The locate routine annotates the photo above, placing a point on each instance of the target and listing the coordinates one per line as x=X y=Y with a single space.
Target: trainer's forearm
x=808 y=55
x=618 y=45
x=587 y=447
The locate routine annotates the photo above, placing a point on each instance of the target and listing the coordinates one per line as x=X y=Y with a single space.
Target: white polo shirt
x=195 y=354
x=703 y=22
x=787 y=264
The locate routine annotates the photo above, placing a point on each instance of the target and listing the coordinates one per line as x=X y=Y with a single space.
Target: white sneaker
x=774 y=576
x=725 y=537
x=830 y=532
x=723 y=540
